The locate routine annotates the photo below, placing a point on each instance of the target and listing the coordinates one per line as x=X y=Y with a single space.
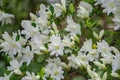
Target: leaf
x=33 y=24
x=72 y=9
x=42 y=72
x=95 y=35
x=17 y=37
x=40 y=58
x=51 y=9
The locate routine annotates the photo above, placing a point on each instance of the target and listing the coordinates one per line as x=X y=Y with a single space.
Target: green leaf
x=41 y=58
x=51 y=9
x=17 y=37
x=71 y=8
x=42 y=72
x=51 y=79
x=33 y=24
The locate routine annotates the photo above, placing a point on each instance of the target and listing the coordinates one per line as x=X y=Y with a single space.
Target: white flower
x=42 y=20
x=42 y=12
x=6 y=77
x=62 y=6
x=37 y=42
x=110 y=6
x=84 y=10
x=103 y=47
x=116 y=19
x=73 y=61
x=6 y=18
x=93 y=55
x=53 y=71
x=56 y=46
x=100 y=65
x=105 y=50
x=86 y=5
x=77 y=61
x=87 y=46
x=72 y=27
x=57 y=10
x=99 y=2
x=30 y=76
x=57 y=62
x=117 y=27
x=96 y=76
x=27 y=55
x=116 y=63
x=67 y=41
x=15 y=66
x=29 y=30
x=10 y=45
x=107 y=58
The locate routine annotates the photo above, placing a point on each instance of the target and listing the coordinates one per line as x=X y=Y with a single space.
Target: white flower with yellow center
x=56 y=46
x=53 y=71
x=10 y=45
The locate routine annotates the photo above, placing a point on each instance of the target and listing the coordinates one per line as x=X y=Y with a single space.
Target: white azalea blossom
x=53 y=71
x=96 y=76
x=5 y=18
x=87 y=46
x=15 y=67
x=72 y=27
x=29 y=30
x=116 y=63
x=42 y=20
x=62 y=6
x=6 y=77
x=57 y=10
x=10 y=45
x=37 y=42
x=107 y=58
x=57 y=61
x=103 y=47
x=67 y=41
x=110 y=6
x=30 y=76
x=56 y=46
x=77 y=61
x=27 y=55
x=84 y=9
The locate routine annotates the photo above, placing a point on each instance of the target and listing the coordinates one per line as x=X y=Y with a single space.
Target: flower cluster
x=111 y=6
x=42 y=35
